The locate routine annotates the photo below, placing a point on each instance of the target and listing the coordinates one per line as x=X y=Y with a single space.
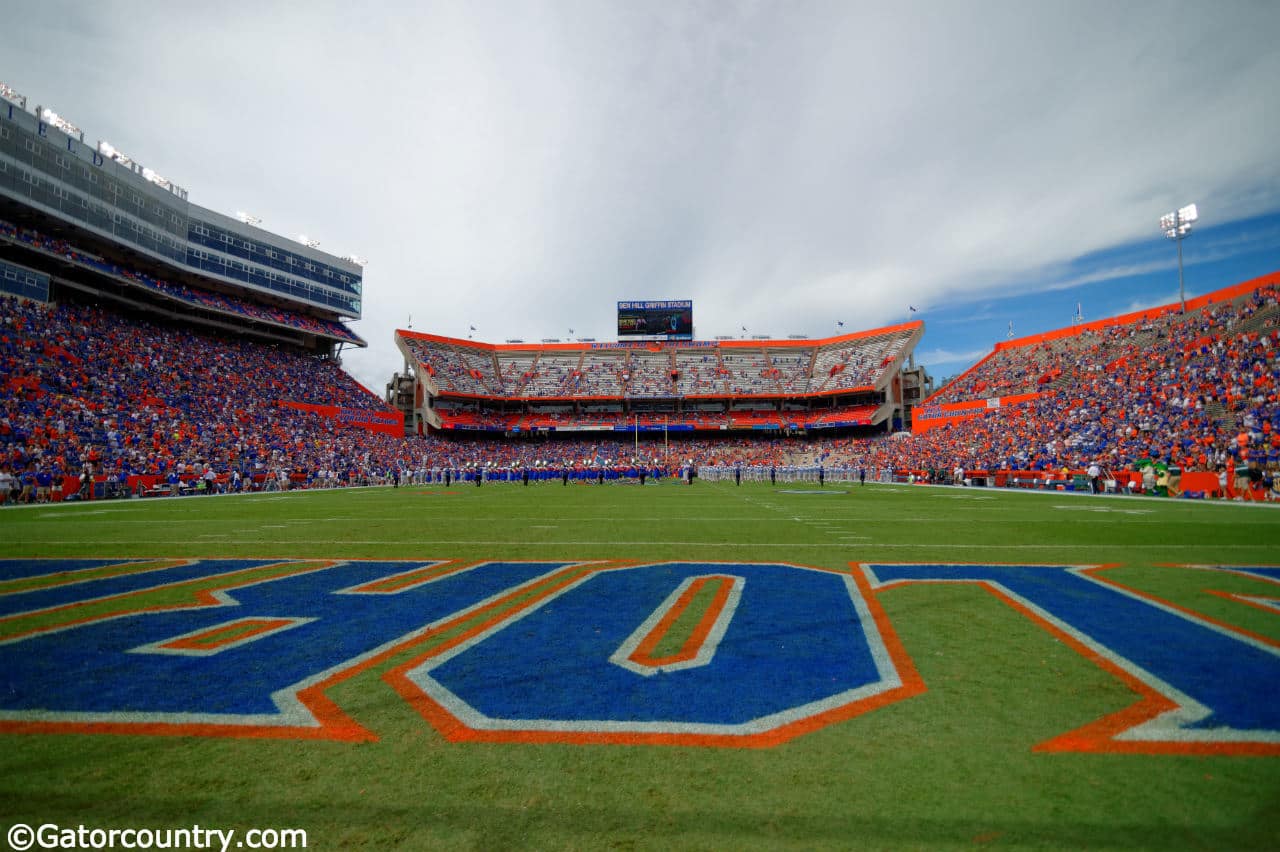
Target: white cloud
x=1137 y=305
x=521 y=166
x=942 y=357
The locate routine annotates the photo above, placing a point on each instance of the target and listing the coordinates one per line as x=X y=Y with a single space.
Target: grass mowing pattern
x=950 y=768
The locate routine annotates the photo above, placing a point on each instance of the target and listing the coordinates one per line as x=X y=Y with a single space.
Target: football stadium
x=658 y=591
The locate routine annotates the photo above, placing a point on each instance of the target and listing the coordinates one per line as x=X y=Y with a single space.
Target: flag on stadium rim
x=839 y=324
x=1011 y=329
x=911 y=308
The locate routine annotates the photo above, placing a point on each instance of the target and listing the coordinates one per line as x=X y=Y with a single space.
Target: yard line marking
x=1104 y=509
x=718 y=543
x=81 y=514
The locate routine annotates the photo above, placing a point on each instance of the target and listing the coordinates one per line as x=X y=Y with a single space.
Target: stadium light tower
x=1176 y=226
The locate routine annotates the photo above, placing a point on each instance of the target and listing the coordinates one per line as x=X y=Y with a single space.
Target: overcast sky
x=520 y=167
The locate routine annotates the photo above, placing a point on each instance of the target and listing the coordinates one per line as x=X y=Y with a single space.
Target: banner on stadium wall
x=926 y=417
x=648 y=344
x=390 y=422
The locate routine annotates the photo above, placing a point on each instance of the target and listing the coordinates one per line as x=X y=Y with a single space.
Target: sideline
x=1045 y=492
x=122 y=504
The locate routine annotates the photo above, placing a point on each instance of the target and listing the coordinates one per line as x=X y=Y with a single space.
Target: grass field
x=959 y=763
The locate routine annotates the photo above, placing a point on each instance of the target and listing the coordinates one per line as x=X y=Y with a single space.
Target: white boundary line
x=706 y=652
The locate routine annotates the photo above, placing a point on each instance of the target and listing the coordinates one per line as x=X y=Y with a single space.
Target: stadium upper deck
x=125 y=215
x=1197 y=390
x=1045 y=362
x=701 y=384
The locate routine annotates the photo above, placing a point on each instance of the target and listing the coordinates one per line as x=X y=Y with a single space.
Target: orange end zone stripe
x=200 y=597
x=236 y=631
x=334 y=724
x=643 y=653
x=1096 y=573
x=1239 y=598
x=1100 y=736
x=455 y=731
x=40 y=582
x=1096 y=736
x=417 y=577
x=494 y=613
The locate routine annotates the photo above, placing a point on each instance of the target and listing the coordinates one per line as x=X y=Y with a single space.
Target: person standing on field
x=1095 y=478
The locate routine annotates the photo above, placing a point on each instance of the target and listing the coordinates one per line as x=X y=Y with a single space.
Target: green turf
x=63 y=578
x=683 y=626
x=953 y=767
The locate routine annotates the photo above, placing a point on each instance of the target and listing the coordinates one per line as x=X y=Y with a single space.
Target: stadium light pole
x=1176 y=226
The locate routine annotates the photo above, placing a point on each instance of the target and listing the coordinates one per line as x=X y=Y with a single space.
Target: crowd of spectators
x=668 y=370
x=600 y=375
x=460 y=369
x=90 y=390
x=855 y=363
x=649 y=374
x=766 y=418
x=1197 y=392
x=193 y=296
x=1194 y=392
x=699 y=373
x=748 y=371
x=85 y=388
x=554 y=374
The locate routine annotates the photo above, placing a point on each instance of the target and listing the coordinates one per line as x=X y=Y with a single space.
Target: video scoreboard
x=671 y=320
